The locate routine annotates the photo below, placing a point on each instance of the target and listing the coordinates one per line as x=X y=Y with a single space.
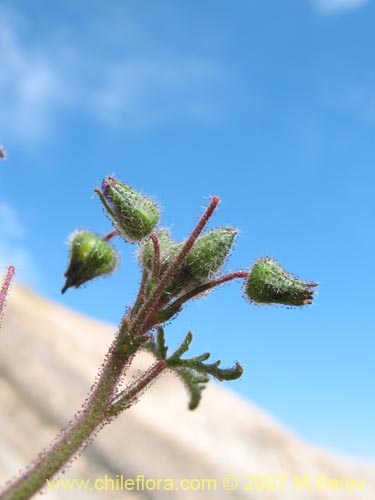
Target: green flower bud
x=204 y=261
x=146 y=252
x=134 y=215
x=210 y=252
x=90 y=257
x=269 y=283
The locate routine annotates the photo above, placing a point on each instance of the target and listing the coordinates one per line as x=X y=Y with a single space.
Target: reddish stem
x=207 y=286
x=156 y=260
x=127 y=397
x=5 y=287
x=229 y=277
x=111 y=235
x=194 y=235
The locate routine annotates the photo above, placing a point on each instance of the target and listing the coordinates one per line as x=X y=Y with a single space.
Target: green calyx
x=90 y=257
x=269 y=283
x=203 y=262
x=209 y=253
x=134 y=215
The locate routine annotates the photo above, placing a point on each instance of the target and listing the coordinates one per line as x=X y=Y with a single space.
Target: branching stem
x=73 y=439
x=146 y=312
x=127 y=397
x=106 y=400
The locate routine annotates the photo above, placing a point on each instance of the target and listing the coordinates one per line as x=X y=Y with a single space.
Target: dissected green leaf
x=184 y=347
x=158 y=347
x=195 y=384
x=194 y=373
x=212 y=369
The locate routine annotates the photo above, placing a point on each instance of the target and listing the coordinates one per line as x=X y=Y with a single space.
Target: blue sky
x=271 y=106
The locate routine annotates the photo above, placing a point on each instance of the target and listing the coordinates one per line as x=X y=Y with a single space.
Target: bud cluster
x=202 y=262
x=173 y=274
x=190 y=267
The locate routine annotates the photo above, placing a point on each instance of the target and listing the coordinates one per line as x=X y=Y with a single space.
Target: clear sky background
x=270 y=105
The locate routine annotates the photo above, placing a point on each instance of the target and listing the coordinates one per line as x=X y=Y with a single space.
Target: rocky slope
x=48 y=360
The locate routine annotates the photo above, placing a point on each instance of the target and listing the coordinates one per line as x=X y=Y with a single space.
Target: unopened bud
x=210 y=252
x=134 y=215
x=204 y=260
x=90 y=257
x=146 y=252
x=269 y=283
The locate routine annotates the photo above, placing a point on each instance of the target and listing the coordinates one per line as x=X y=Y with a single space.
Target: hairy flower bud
x=209 y=253
x=134 y=215
x=146 y=252
x=90 y=257
x=269 y=283
x=204 y=260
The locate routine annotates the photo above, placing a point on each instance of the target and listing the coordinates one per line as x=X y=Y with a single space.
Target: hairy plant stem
x=111 y=235
x=125 y=399
x=75 y=436
x=5 y=287
x=103 y=403
x=156 y=261
x=178 y=303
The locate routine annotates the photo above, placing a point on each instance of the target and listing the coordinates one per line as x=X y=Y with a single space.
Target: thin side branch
x=111 y=235
x=206 y=286
x=156 y=260
x=128 y=396
x=5 y=287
